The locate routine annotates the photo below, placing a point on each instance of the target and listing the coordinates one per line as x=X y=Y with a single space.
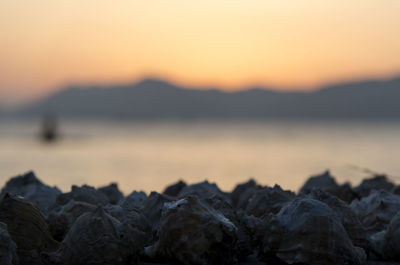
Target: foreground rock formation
x=324 y=223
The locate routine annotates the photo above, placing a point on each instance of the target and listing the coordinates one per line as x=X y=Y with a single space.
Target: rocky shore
x=323 y=223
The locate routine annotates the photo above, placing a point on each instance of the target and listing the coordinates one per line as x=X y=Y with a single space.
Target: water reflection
x=149 y=155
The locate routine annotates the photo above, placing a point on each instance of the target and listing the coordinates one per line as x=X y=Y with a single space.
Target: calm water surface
x=150 y=155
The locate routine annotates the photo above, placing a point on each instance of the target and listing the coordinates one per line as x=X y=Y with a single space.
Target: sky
x=298 y=44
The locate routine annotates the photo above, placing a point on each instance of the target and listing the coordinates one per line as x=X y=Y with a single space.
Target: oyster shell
x=133 y=200
x=98 y=238
x=308 y=231
x=112 y=192
x=240 y=195
x=327 y=183
x=377 y=210
x=132 y=216
x=174 y=189
x=268 y=200
x=190 y=232
x=27 y=228
x=391 y=240
x=8 y=249
x=61 y=221
x=202 y=190
x=32 y=189
x=152 y=208
x=378 y=182
x=347 y=216
x=243 y=244
x=84 y=193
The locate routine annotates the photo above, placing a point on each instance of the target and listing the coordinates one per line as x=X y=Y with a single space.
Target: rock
x=377 y=242
x=98 y=238
x=268 y=200
x=378 y=182
x=174 y=189
x=8 y=249
x=58 y=225
x=32 y=189
x=200 y=224
x=396 y=190
x=327 y=183
x=61 y=221
x=190 y=232
x=27 y=228
x=112 y=192
x=243 y=243
x=345 y=192
x=133 y=200
x=44 y=196
x=21 y=183
x=251 y=260
x=347 y=216
x=391 y=240
x=377 y=210
x=308 y=231
x=84 y=194
x=254 y=227
x=133 y=217
x=239 y=195
x=152 y=208
x=202 y=190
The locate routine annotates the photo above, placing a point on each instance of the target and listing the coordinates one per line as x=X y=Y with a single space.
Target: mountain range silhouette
x=157 y=99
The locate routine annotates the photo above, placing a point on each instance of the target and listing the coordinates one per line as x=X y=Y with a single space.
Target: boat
x=49 y=130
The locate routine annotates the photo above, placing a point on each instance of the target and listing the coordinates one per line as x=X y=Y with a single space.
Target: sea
x=150 y=155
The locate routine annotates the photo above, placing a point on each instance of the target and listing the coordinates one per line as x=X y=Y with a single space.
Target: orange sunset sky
x=298 y=44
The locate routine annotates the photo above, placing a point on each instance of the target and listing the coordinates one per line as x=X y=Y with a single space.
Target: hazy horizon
x=9 y=104
x=227 y=44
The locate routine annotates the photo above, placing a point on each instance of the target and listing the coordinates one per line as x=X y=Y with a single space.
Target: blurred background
x=145 y=93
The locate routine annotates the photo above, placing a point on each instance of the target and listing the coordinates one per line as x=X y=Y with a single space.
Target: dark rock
x=347 y=216
x=61 y=221
x=27 y=228
x=32 y=189
x=238 y=194
x=152 y=208
x=307 y=231
x=58 y=225
x=202 y=190
x=96 y=238
x=327 y=183
x=345 y=192
x=243 y=243
x=378 y=182
x=174 y=189
x=190 y=232
x=268 y=200
x=134 y=217
x=376 y=242
x=133 y=200
x=377 y=210
x=84 y=194
x=21 y=183
x=391 y=240
x=112 y=192
x=8 y=249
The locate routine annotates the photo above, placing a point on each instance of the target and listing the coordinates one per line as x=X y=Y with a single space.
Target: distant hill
x=155 y=99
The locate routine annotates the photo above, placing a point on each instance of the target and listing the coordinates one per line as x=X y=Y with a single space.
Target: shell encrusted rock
x=327 y=223
x=8 y=249
x=27 y=228
x=190 y=232
x=98 y=238
x=307 y=231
